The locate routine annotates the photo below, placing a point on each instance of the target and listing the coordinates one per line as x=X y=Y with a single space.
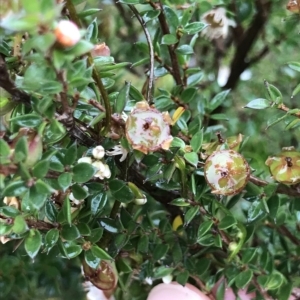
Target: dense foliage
x=143 y=140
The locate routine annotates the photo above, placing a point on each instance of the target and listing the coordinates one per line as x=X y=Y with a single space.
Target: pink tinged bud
x=35 y=150
x=100 y=50
x=147 y=129
x=67 y=33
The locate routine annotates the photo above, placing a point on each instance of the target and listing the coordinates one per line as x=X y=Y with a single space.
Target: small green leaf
x=28 y=120
x=21 y=150
x=36 y=198
x=120 y=191
x=15 y=188
x=80 y=48
x=194 y=27
x=160 y=251
x=98 y=202
x=183 y=277
x=190 y=214
x=185 y=50
x=64 y=180
x=9 y=211
x=169 y=39
x=51 y=238
x=196 y=141
x=227 y=222
x=143 y=244
x=192 y=158
x=20 y=225
x=92 y=260
x=294 y=65
x=259 y=104
x=218 y=100
x=179 y=202
x=88 y=12
x=66 y=208
x=70 y=155
x=4 y=148
x=162 y=271
x=79 y=192
x=33 y=243
x=204 y=228
x=194 y=79
x=243 y=279
x=83 y=172
x=70 y=233
x=100 y=253
x=41 y=169
x=110 y=225
x=122 y=98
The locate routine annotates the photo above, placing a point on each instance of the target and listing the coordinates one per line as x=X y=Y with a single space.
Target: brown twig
x=286 y=109
x=171 y=48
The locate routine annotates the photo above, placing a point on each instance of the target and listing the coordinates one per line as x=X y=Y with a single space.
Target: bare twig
x=171 y=48
x=151 y=53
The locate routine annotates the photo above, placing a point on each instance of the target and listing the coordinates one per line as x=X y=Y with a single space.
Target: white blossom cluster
x=103 y=169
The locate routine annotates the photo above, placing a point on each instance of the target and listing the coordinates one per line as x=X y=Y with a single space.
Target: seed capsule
x=226 y=172
x=285 y=167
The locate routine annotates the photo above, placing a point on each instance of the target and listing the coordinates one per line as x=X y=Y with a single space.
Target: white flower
x=98 y=152
x=218 y=23
x=85 y=159
x=149 y=280
x=118 y=150
x=103 y=170
x=167 y=279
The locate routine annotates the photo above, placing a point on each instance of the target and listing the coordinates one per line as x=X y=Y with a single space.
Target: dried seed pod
x=147 y=129
x=285 y=167
x=226 y=172
x=105 y=277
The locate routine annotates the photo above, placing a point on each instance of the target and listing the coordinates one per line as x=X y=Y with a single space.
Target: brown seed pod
x=226 y=172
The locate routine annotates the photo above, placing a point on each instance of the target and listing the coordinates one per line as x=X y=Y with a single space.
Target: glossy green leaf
x=91 y=259
x=227 y=222
x=33 y=243
x=196 y=141
x=190 y=214
x=143 y=244
x=70 y=155
x=41 y=169
x=66 y=208
x=21 y=150
x=4 y=148
x=243 y=279
x=70 y=233
x=218 y=100
x=64 y=180
x=100 y=253
x=15 y=188
x=20 y=225
x=160 y=251
x=51 y=238
x=192 y=158
x=120 y=191
x=122 y=98
x=194 y=27
x=258 y=104
x=83 y=172
x=98 y=202
x=169 y=39
x=204 y=228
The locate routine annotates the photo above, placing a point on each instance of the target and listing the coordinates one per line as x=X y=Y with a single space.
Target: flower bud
x=98 y=152
x=167 y=279
x=85 y=159
x=67 y=33
x=100 y=50
x=140 y=201
x=4 y=239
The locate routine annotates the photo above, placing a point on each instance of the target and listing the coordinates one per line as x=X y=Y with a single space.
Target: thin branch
x=151 y=53
x=171 y=48
x=286 y=109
